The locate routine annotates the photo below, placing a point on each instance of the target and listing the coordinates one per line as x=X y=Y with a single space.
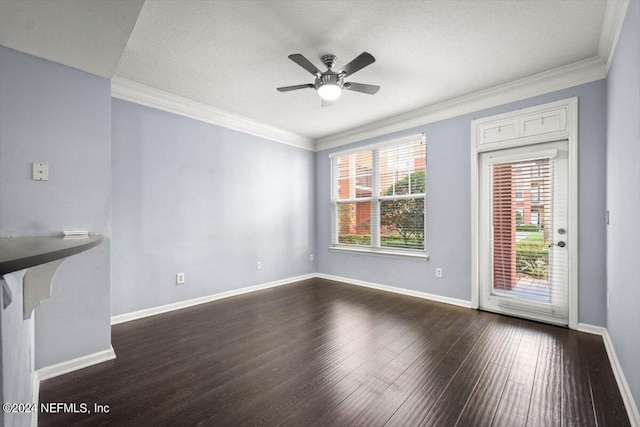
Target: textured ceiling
x=89 y=35
x=233 y=54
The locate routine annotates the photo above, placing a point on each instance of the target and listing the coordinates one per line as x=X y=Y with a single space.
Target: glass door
x=523 y=222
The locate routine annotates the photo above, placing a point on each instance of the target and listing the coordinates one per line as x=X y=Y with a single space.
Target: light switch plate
x=41 y=171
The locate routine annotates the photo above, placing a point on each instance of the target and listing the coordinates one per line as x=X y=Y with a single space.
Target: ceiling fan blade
x=305 y=63
x=361 y=61
x=326 y=103
x=361 y=87
x=296 y=87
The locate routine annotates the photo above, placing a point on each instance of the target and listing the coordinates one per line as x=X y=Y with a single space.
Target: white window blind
x=528 y=266
x=378 y=196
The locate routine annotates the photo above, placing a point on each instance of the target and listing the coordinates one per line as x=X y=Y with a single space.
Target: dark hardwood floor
x=324 y=353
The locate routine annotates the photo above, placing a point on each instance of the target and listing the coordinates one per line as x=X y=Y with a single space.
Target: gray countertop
x=19 y=253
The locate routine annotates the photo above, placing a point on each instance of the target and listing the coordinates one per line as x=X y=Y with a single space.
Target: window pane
x=355 y=175
x=354 y=220
x=402 y=169
x=402 y=223
x=535 y=192
x=394 y=172
x=520 y=205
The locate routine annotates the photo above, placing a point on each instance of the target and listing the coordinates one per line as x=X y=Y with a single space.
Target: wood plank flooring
x=324 y=353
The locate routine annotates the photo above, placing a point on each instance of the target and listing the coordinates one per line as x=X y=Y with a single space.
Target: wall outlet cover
x=40 y=171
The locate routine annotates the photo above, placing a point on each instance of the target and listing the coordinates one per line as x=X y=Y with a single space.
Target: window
x=519 y=216
x=378 y=197
x=535 y=193
x=535 y=217
x=536 y=170
x=519 y=192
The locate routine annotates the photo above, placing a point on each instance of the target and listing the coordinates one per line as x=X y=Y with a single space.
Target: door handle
x=559 y=244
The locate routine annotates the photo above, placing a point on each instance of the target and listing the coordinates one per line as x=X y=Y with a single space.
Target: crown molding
x=575 y=74
x=611 y=27
x=139 y=93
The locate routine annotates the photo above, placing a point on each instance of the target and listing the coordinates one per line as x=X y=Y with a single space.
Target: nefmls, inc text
x=72 y=408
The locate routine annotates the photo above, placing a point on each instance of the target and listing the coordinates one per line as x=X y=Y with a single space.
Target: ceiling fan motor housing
x=329 y=77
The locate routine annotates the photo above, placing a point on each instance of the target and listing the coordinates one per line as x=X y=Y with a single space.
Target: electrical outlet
x=259 y=265
x=310 y=257
x=438 y=272
x=180 y=278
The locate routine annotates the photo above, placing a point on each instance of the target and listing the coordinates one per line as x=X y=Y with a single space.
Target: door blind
x=528 y=209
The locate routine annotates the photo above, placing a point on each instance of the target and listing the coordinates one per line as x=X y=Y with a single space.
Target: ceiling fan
x=330 y=84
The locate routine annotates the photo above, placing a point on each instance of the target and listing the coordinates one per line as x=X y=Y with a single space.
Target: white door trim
x=562 y=123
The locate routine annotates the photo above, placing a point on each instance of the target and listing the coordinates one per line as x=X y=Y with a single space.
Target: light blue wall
x=448 y=208
x=60 y=116
x=193 y=197
x=623 y=198
x=181 y=187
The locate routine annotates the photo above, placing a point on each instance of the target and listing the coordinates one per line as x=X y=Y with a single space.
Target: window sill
x=381 y=252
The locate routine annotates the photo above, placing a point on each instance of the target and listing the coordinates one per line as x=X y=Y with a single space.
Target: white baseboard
x=127 y=317
x=64 y=368
x=591 y=329
x=623 y=385
x=401 y=291
x=75 y=364
x=92 y=359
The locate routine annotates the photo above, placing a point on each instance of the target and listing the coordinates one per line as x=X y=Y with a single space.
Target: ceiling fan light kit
x=330 y=84
x=329 y=91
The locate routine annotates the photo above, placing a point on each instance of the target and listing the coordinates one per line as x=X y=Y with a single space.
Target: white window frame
x=375 y=248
